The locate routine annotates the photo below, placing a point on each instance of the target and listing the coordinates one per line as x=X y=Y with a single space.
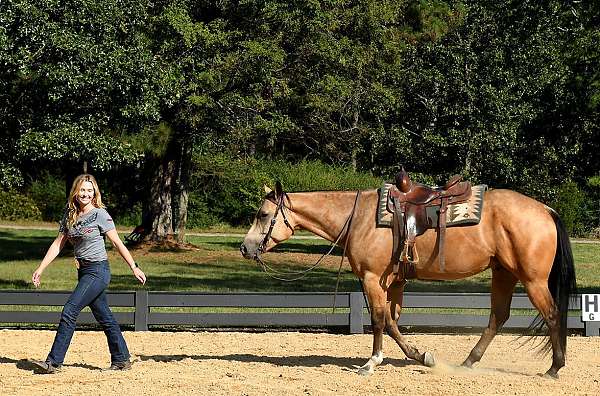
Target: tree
x=491 y=98
x=70 y=83
x=83 y=81
x=504 y=94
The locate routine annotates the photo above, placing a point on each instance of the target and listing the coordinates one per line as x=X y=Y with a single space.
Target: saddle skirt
x=461 y=214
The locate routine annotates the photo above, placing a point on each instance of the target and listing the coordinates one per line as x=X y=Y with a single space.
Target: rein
x=274 y=273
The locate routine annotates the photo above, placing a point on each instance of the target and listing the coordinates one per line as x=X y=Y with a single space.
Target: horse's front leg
x=378 y=324
x=376 y=297
x=392 y=314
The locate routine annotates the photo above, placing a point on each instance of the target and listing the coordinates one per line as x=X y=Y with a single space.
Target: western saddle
x=408 y=201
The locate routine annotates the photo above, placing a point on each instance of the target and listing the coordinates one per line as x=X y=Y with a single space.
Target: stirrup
x=404 y=255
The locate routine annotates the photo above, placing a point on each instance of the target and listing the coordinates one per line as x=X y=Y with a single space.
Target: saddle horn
x=403 y=181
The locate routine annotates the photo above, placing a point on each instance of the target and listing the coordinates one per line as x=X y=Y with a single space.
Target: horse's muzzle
x=244 y=251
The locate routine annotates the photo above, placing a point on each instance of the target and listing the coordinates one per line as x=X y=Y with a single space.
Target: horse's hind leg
x=540 y=296
x=503 y=285
x=392 y=314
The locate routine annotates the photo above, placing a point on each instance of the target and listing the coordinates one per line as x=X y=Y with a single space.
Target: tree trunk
x=159 y=205
x=165 y=211
x=181 y=189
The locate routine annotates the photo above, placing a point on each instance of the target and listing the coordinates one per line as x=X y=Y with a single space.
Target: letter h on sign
x=590 y=307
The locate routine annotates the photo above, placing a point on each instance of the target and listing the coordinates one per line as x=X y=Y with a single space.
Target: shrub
x=16 y=206
x=592 y=207
x=569 y=203
x=127 y=215
x=48 y=192
x=229 y=190
x=199 y=215
x=316 y=176
x=224 y=190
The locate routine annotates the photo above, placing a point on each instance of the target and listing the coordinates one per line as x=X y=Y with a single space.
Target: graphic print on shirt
x=80 y=228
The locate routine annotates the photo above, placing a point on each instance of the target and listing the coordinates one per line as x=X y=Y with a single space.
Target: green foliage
x=74 y=142
x=489 y=98
x=594 y=181
x=153 y=140
x=127 y=215
x=10 y=176
x=317 y=176
x=48 y=192
x=200 y=214
x=569 y=205
x=230 y=190
x=16 y=206
x=71 y=80
x=591 y=206
x=503 y=93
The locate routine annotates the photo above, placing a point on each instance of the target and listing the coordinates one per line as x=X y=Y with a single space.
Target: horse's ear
x=267 y=189
x=278 y=189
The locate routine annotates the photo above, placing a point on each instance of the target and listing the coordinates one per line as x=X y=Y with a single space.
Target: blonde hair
x=73 y=206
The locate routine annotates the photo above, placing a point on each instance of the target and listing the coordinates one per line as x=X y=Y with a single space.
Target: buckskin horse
x=519 y=238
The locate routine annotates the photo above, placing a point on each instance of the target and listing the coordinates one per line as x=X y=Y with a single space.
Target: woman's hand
x=116 y=241
x=53 y=250
x=139 y=274
x=36 y=277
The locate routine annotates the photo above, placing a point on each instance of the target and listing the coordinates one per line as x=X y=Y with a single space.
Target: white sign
x=590 y=307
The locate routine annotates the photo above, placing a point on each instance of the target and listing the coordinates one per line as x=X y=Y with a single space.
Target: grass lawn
x=217 y=266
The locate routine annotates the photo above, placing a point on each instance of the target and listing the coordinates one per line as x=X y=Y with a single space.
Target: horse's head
x=271 y=225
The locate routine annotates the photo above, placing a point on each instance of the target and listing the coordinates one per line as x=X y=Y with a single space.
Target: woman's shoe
x=120 y=366
x=43 y=367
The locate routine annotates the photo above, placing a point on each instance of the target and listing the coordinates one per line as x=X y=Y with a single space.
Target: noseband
x=280 y=206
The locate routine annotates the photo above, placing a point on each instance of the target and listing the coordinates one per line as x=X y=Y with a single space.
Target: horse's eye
x=262 y=215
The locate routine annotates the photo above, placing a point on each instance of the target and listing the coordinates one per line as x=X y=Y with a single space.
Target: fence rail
x=350 y=314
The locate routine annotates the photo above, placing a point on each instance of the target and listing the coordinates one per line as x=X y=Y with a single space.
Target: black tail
x=561 y=281
x=562 y=286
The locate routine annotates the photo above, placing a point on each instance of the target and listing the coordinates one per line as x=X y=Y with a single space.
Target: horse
x=518 y=238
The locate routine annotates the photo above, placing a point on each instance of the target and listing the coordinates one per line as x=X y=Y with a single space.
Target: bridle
x=280 y=206
x=296 y=275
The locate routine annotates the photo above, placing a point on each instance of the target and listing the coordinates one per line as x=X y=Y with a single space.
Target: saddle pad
x=466 y=213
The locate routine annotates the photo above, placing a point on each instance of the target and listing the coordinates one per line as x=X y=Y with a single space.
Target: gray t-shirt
x=87 y=234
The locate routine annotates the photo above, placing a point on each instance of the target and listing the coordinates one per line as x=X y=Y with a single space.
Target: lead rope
x=349 y=222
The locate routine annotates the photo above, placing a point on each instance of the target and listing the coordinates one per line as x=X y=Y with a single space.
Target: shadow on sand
x=27 y=365
x=282 y=361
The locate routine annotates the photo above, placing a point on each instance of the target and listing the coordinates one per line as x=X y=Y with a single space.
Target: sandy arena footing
x=290 y=363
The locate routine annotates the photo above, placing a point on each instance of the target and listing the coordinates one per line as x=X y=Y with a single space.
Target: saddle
x=408 y=201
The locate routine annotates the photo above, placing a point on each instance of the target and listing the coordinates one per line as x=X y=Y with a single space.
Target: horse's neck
x=323 y=213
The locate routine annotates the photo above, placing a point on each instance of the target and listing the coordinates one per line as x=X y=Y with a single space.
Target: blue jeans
x=90 y=291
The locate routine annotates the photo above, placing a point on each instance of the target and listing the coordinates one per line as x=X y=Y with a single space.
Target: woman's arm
x=53 y=251
x=116 y=241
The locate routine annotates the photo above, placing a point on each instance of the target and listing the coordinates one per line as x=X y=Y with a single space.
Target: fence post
x=141 y=310
x=356 y=313
x=592 y=329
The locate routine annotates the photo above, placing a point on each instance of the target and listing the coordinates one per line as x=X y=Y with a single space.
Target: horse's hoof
x=550 y=375
x=364 y=371
x=428 y=359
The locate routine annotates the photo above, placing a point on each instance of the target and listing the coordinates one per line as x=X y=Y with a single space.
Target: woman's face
x=86 y=193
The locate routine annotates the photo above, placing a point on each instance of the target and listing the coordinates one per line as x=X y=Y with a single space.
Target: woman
x=85 y=224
